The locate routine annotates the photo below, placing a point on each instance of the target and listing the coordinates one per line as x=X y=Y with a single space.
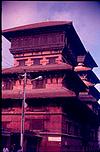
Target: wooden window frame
x=23 y=63
x=52 y=60
x=36 y=61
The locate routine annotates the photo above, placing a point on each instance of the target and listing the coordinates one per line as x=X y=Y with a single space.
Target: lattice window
x=8 y=85
x=36 y=124
x=51 y=60
x=22 y=62
x=36 y=61
x=38 y=84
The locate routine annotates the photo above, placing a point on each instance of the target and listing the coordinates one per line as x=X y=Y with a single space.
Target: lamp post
x=23 y=109
x=23 y=112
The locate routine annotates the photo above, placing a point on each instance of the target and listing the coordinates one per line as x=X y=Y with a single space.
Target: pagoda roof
x=37 y=25
x=90 y=61
x=91 y=76
x=37 y=68
x=87 y=59
x=92 y=95
x=87 y=97
x=79 y=68
x=49 y=25
x=41 y=93
x=94 y=92
x=88 y=83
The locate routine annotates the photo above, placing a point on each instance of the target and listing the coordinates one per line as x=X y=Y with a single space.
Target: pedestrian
x=20 y=149
x=12 y=149
x=5 y=149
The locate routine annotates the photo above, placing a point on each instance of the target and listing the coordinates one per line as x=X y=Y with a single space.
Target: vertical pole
x=23 y=114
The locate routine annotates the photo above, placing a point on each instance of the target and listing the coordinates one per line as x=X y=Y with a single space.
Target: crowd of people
x=13 y=148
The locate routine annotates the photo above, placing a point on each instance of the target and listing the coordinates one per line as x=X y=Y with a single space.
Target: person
x=20 y=149
x=12 y=148
x=5 y=149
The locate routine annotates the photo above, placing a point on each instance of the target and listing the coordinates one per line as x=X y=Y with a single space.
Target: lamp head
x=39 y=78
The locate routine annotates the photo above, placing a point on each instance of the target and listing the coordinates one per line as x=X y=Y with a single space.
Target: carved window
x=51 y=60
x=27 y=41
x=22 y=62
x=36 y=124
x=43 y=40
x=8 y=85
x=36 y=61
x=14 y=43
x=54 y=80
x=36 y=41
x=37 y=84
x=61 y=38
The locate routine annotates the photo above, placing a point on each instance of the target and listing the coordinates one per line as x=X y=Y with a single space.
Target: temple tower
x=62 y=109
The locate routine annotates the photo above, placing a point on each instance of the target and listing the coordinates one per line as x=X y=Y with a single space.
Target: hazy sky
x=84 y=14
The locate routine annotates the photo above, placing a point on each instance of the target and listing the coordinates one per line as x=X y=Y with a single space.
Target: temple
x=62 y=112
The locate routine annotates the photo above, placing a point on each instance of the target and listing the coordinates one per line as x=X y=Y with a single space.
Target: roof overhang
x=8 y=33
x=38 y=93
x=37 y=68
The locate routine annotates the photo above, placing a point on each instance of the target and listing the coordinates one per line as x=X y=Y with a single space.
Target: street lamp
x=23 y=109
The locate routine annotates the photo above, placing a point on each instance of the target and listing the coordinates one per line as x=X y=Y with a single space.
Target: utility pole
x=23 y=109
x=23 y=113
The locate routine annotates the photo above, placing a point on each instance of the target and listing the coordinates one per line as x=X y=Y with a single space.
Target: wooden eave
x=37 y=25
x=87 y=59
x=74 y=82
x=81 y=58
x=38 y=93
x=91 y=76
x=87 y=97
x=88 y=83
x=37 y=68
x=94 y=92
x=66 y=26
x=90 y=61
x=92 y=95
x=8 y=33
x=79 y=68
x=76 y=44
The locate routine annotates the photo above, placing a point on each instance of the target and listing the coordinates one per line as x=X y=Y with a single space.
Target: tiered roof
x=77 y=48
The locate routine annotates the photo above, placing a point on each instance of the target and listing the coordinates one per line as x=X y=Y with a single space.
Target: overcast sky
x=85 y=16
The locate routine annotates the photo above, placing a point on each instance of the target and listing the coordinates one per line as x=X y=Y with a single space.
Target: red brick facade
x=62 y=109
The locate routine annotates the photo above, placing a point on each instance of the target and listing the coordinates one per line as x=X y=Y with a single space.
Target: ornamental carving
x=37 y=41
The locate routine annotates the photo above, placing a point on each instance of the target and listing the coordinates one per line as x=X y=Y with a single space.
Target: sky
x=85 y=16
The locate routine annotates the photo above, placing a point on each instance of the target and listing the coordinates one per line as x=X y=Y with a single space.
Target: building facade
x=62 y=112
